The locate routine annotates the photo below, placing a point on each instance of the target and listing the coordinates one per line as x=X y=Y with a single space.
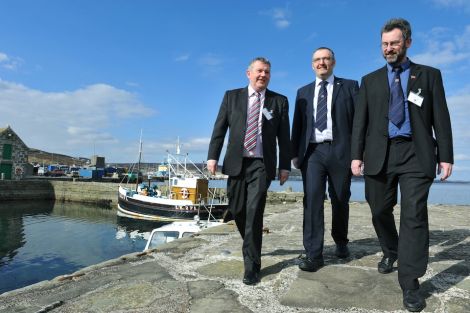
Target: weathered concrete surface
x=203 y=274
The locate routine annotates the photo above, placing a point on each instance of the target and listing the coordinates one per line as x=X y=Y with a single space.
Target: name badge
x=416 y=98
x=267 y=114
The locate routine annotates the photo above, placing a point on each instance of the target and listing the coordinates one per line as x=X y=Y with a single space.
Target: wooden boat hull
x=135 y=208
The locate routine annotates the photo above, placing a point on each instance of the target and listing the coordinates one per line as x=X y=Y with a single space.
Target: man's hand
x=357 y=167
x=212 y=166
x=445 y=169
x=283 y=176
x=295 y=162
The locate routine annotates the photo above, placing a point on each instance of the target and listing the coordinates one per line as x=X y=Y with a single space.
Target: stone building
x=13 y=155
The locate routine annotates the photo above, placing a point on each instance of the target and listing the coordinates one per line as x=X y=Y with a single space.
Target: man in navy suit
x=321 y=132
x=401 y=131
x=258 y=121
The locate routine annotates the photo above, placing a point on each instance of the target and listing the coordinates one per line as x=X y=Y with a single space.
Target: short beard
x=396 y=58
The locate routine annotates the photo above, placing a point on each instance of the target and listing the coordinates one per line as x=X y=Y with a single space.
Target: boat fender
x=18 y=171
x=184 y=193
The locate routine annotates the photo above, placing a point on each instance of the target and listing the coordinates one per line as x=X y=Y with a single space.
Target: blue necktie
x=396 y=113
x=322 y=108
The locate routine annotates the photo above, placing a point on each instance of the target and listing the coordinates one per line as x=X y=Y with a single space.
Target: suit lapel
x=384 y=89
x=415 y=72
x=309 y=109
x=243 y=104
x=337 y=85
x=268 y=103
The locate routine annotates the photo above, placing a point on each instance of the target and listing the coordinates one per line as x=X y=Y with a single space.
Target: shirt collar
x=404 y=66
x=251 y=91
x=330 y=80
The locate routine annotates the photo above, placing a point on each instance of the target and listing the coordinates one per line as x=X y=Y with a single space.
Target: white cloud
x=442 y=49
x=182 y=57
x=132 y=84
x=211 y=59
x=465 y=4
x=69 y=121
x=462 y=157
x=281 y=17
x=3 y=57
x=9 y=63
x=211 y=64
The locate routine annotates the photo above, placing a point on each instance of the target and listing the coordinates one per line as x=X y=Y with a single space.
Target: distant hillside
x=39 y=156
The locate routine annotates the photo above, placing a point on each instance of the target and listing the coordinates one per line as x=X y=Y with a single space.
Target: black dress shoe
x=342 y=251
x=385 y=266
x=311 y=265
x=413 y=301
x=251 y=278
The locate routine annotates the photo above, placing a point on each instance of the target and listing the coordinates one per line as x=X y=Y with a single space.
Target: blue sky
x=83 y=77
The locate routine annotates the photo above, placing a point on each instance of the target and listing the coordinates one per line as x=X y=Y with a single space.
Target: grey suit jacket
x=232 y=116
x=343 y=103
x=430 y=122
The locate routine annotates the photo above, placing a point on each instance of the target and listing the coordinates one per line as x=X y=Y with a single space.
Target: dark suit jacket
x=370 y=129
x=343 y=102
x=232 y=115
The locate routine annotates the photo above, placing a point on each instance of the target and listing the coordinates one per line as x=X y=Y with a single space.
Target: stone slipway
x=203 y=274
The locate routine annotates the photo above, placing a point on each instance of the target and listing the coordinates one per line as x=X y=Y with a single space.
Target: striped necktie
x=252 y=124
x=322 y=107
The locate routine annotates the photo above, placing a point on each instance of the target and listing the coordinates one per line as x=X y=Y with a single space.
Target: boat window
x=162 y=237
x=187 y=234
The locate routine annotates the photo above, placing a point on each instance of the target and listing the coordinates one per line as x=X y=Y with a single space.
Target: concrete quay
x=203 y=274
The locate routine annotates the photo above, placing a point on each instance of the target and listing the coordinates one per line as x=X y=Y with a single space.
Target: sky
x=86 y=77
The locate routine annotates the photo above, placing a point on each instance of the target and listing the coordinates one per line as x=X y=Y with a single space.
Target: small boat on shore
x=185 y=195
x=168 y=233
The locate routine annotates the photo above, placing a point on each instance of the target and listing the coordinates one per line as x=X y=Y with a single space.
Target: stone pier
x=204 y=273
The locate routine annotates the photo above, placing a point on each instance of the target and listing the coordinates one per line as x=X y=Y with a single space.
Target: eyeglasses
x=393 y=44
x=325 y=59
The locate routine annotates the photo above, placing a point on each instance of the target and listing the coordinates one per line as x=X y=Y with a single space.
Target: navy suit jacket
x=232 y=115
x=370 y=130
x=343 y=103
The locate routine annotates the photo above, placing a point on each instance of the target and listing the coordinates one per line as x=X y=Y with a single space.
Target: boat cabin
x=192 y=188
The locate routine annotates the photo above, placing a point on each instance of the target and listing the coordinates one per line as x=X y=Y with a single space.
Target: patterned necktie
x=322 y=108
x=396 y=113
x=252 y=124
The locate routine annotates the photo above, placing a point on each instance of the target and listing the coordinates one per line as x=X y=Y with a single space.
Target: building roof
x=4 y=130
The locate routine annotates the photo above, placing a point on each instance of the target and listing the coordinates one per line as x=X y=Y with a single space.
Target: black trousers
x=411 y=246
x=321 y=165
x=247 y=198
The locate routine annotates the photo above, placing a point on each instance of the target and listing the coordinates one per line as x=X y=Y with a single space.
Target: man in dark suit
x=256 y=117
x=321 y=132
x=401 y=107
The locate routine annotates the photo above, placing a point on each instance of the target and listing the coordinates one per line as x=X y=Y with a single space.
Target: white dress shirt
x=326 y=134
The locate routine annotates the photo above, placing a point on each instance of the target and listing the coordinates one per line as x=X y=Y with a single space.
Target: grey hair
x=325 y=48
x=260 y=59
x=399 y=23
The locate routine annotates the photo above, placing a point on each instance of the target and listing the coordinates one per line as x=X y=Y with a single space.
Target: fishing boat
x=185 y=195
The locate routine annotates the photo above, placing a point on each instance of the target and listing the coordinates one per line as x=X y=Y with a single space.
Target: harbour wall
x=99 y=193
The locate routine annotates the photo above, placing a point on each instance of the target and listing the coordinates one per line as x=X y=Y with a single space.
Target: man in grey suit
x=401 y=131
x=321 y=133
x=256 y=118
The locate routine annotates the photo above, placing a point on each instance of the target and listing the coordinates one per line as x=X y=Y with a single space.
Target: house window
x=6 y=155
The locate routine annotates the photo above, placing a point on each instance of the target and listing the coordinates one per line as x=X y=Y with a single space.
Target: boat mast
x=138 y=163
